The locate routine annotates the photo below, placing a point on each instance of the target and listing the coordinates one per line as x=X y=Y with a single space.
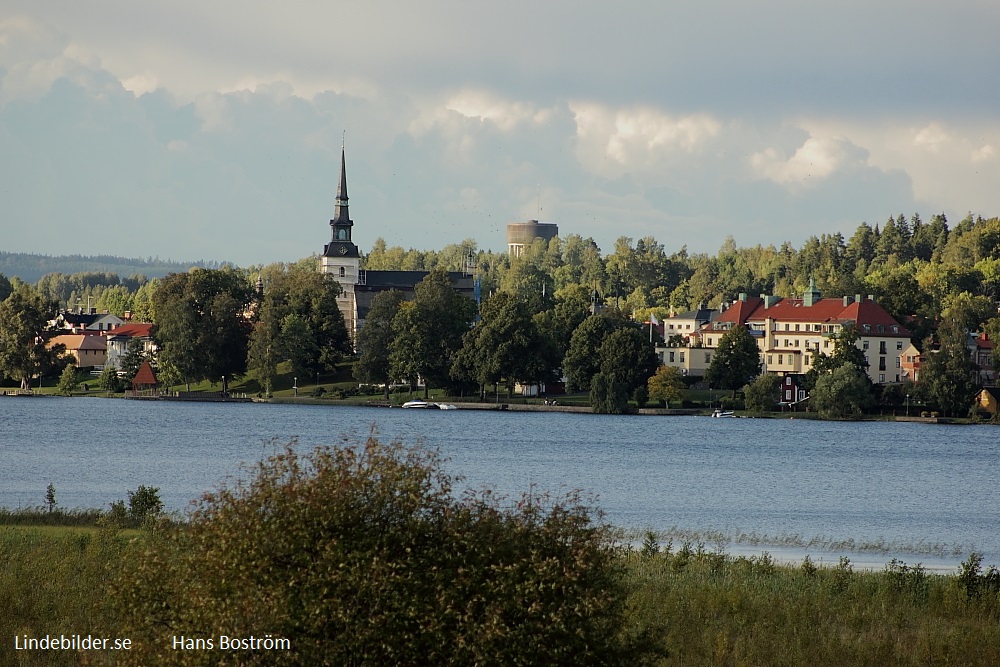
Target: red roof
x=823 y=311
x=144 y=376
x=133 y=330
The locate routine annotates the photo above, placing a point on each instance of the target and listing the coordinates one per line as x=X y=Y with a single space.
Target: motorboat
x=428 y=405
x=723 y=413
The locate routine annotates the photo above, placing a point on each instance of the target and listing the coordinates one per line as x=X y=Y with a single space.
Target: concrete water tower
x=522 y=234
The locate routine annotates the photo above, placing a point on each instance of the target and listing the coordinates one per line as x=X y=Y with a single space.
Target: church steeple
x=341 y=244
x=340 y=212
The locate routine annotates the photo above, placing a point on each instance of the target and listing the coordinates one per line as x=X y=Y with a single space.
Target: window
x=781 y=359
x=881 y=347
x=826 y=343
x=864 y=345
x=708 y=357
x=881 y=363
x=710 y=342
x=897 y=377
x=895 y=329
x=788 y=343
x=788 y=380
x=897 y=362
x=671 y=356
x=788 y=395
x=796 y=342
x=806 y=360
x=818 y=327
x=796 y=327
x=786 y=326
x=681 y=357
x=881 y=377
x=867 y=328
x=899 y=345
x=770 y=359
x=343 y=272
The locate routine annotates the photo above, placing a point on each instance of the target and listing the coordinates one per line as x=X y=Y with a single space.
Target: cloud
x=614 y=141
x=813 y=161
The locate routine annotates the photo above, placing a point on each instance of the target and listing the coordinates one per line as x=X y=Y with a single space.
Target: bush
x=363 y=555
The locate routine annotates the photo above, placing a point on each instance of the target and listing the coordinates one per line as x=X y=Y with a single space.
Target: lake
x=927 y=492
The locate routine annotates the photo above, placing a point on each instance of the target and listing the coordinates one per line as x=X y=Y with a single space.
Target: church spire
x=340 y=212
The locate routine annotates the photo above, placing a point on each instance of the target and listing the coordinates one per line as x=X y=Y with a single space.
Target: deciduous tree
x=735 y=362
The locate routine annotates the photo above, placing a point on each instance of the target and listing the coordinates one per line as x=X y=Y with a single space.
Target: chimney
x=770 y=300
x=857 y=297
x=743 y=296
x=127 y=315
x=871 y=297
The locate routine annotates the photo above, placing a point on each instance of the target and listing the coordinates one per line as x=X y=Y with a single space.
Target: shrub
x=363 y=555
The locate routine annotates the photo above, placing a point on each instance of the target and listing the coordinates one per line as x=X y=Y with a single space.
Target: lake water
x=926 y=490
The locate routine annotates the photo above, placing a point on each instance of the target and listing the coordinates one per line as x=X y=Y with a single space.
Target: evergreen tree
x=948 y=374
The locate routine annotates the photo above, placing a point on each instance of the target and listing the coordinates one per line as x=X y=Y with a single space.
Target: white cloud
x=611 y=141
x=816 y=159
x=487 y=106
x=931 y=138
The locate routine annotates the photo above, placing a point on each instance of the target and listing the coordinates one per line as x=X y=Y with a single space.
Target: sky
x=190 y=130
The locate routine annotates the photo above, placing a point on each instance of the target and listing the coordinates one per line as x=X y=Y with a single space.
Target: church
x=342 y=259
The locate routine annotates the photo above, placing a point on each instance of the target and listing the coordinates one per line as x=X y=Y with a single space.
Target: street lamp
x=907 y=405
x=295 y=385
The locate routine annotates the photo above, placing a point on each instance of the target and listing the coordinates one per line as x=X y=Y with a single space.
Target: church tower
x=340 y=256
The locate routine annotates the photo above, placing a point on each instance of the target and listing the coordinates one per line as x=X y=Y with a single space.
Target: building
x=88 y=350
x=523 y=234
x=686 y=323
x=909 y=363
x=119 y=338
x=342 y=259
x=981 y=351
x=790 y=333
x=90 y=321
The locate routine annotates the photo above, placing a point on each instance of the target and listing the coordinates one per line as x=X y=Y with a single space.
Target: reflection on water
x=895 y=484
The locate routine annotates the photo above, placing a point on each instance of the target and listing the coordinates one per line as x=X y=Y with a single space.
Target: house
x=981 y=351
x=909 y=363
x=792 y=391
x=342 y=259
x=690 y=360
x=791 y=332
x=687 y=323
x=80 y=322
x=88 y=350
x=119 y=338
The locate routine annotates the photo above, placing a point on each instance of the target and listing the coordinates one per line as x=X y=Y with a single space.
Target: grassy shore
x=701 y=607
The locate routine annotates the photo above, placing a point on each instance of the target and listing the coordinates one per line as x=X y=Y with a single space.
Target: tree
x=845 y=353
x=762 y=394
x=108 y=380
x=135 y=354
x=375 y=340
x=581 y=362
x=735 y=362
x=68 y=380
x=948 y=374
x=428 y=333
x=200 y=323
x=627 y=360
x=504 y=345
x=666 y=385
x=843 y=392
x=24 y=315
x=366 y=555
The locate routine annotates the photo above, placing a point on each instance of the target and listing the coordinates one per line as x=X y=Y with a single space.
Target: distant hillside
x=30 y=268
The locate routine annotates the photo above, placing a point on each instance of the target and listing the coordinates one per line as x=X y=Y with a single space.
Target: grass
x=700 y=607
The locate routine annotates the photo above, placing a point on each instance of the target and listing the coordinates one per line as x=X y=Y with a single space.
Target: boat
x=723 y=413
x=427 y=405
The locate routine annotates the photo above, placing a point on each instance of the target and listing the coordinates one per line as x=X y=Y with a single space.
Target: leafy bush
x=364 y=555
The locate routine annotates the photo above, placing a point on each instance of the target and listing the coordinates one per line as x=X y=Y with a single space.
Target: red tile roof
x=823 y=311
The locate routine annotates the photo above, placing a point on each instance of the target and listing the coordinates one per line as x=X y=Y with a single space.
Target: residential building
x=981 y=351
x=119 y=339
x=88 y=350
x=342 y=259
x=80 y=322
x=790 y=333
x=909 y=363
x=689 y=322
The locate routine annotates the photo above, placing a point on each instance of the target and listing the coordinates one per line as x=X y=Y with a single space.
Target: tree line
x=534 y=323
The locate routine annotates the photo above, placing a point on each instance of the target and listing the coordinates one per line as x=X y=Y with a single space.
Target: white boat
x=723 y=413
x=427 y=405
